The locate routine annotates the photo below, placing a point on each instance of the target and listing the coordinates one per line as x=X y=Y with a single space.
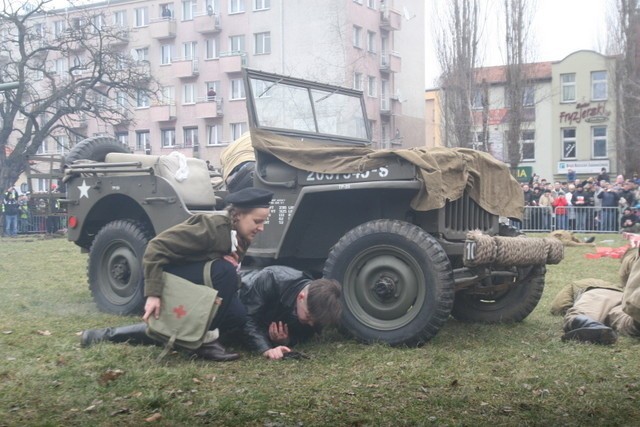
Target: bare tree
x=74 y=73
x=518 y=18
x=457 y=51
x=624 y=41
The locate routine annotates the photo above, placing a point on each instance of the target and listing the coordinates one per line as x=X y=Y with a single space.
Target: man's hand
x=152 y=306
x=279 y=333
x=276 y=353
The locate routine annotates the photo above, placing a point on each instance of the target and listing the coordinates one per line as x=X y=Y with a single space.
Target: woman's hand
x=152 y=306
x=276 y=353
x=279 y=333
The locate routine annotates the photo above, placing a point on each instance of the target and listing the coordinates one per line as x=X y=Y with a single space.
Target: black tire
x=95 y=148
x=512 y=304
x=397 y=283
x=115 y=273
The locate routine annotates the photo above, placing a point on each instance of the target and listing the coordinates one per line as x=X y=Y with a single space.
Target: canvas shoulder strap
x=207 y=273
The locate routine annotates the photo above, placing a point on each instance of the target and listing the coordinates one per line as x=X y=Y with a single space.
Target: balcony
x=185 y=68
x=390 y=106
x=76 y=121
x=232 y=62
x=390 y=20
x=121 y=37
x=163 y=28
x=206 y=109
x=207 y=24
x=390 y=63
x=162 y=112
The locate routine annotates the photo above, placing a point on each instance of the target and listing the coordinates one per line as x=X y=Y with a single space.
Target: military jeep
x=390 y=225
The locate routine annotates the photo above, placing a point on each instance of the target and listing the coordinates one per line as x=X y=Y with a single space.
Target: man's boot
x=589 y=239
x=216 y=352
x=134 y=334
x=583 y=328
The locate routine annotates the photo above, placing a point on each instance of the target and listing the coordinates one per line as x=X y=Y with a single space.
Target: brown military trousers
x=604 y=306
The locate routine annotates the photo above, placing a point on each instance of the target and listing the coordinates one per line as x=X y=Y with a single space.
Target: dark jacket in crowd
x=609 y=198
x=270 y=296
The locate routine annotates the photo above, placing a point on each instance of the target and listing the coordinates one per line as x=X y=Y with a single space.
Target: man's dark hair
x=323 y=302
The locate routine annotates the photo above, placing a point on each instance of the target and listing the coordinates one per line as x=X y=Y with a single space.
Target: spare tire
x=95 y=148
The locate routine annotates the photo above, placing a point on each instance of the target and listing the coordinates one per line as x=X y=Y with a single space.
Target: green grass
x=470 y=374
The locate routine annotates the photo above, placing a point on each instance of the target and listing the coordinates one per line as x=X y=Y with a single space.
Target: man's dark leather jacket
x=270 y=296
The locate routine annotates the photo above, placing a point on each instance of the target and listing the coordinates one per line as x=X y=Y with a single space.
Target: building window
x=371 y=41
x=599 y=142
x=528 y=145
x=479 y=99
x=58 y=28
x=236 y=43
x=569 y=143
x=357 y=37
x=211 y=48
x=189 y=50
x=262 y=43
x=191 y=137
x=261 y=4
x=168 y=95
x=568 y=87
x=236 y=6
x=142 y=141
x=120 y=18
x=371 y=4
x=165 y=52
x=141 y=17
x=357 y=1
x=189 y=93
x=142 y=99
x=237 y=129
x=97 y=22
x=61 y=144
x=371 y=86
x=168 y=137
x=123 y=138
x=213 y=135
x=529 y=96
x=237 y=89
x=599 y=86
x=142 y=54
x=189 y=8
x=357 y=81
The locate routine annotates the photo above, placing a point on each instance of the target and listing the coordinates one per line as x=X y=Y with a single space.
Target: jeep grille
x=465 y=214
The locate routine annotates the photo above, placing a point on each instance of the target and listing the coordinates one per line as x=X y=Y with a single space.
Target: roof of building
x=498 y=74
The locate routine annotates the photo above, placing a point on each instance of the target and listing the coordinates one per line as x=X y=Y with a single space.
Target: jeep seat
x=195 y=191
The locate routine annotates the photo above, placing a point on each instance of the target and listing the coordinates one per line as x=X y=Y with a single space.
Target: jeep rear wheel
x=116 y=278
x=510 y=304
x=397 y=283
x=95 y=148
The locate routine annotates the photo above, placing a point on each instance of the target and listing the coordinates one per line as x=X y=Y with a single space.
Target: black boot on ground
x=133 y=334
x=216 y=352
x=589 y=239
x=583 y=328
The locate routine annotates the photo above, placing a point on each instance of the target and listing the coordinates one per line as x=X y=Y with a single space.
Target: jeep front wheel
x=115 y=272
x=397 y=283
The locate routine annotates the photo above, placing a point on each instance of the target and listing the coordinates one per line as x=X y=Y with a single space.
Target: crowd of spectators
x=596 y=203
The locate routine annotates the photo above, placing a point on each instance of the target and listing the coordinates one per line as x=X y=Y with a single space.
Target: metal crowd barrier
x=40 y=224
x=587 y=219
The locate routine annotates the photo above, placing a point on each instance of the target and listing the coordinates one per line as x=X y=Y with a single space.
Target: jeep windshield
x=298 y=107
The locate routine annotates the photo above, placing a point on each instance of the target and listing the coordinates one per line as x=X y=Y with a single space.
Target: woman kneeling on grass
x=183 y=250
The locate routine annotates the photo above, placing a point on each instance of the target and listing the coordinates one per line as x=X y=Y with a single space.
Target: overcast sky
x=559 y=28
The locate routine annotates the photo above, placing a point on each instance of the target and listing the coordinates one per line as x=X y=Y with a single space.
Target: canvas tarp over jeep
x=391 y=226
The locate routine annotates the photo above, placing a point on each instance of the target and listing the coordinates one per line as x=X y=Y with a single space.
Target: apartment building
x=569 y=116
x=196 y=49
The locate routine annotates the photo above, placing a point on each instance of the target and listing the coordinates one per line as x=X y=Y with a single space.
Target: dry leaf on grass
x=155 y=417
x=110 y=375
x=119 y=411
x=581 y=391
x=196 y=381
x=7 y=332
x=43 y=333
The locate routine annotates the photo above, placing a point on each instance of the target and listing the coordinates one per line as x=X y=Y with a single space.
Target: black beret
x=250 y=198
